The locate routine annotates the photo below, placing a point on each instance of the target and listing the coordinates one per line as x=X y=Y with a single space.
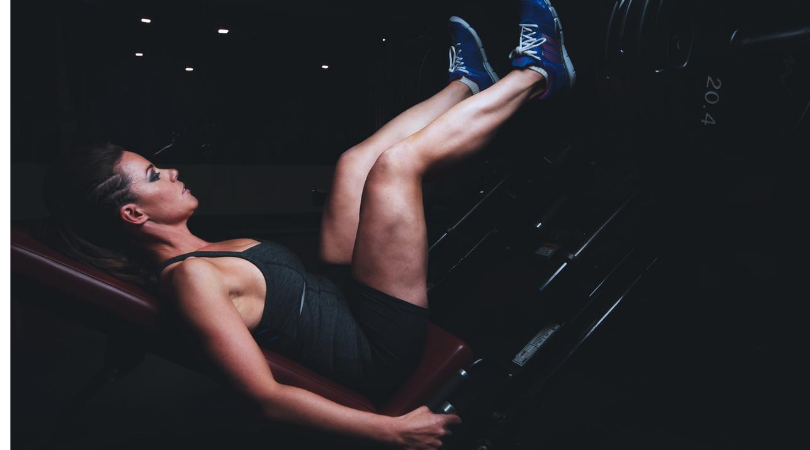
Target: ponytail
x=83 y=193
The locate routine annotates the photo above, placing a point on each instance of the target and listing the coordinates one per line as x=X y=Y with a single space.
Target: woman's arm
x=203 y=301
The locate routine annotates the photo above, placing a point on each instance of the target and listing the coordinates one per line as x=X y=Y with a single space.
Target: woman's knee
x=353 y=162
x=398 y=161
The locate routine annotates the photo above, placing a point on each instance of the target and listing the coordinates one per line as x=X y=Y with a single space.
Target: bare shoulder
x=193 y=276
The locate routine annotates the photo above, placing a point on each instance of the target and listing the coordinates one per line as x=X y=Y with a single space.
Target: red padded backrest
x=444 y=353
x=32 y=258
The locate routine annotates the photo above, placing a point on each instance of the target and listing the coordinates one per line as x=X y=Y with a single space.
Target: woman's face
x=162 y=197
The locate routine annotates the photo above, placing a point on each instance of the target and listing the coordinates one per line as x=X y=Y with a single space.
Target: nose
x=174 y=174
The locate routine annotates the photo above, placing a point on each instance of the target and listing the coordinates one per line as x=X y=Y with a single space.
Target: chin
x=196 y=204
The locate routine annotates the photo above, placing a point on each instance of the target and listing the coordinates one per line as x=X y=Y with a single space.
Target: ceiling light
x=324 y=66
x=138 y=54
x=145 y=20
x=383 y=39
x=222 y=31
x=189 y=69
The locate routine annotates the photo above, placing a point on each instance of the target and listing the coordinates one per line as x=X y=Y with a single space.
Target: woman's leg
x=342 y=210
x=390 y=252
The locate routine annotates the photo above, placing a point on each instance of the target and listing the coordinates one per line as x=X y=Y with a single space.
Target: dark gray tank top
x=306 y=316
x=286 y=280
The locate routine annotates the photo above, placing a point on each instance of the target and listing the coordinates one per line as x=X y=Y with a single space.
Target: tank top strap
x=182 y=257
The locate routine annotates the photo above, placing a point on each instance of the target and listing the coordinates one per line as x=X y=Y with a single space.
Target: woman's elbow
x=272 y=401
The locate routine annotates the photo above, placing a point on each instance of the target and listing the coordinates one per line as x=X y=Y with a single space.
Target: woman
x=365 y=330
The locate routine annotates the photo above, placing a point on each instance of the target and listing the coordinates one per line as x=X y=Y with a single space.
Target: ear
x=130 y=213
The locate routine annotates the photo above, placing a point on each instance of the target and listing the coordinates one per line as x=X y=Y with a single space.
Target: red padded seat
x=30 y=258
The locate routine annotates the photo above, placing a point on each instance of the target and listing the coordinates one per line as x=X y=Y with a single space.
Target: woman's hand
x=421 y=429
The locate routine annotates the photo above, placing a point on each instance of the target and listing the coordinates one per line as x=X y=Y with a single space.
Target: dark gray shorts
x=359 y=336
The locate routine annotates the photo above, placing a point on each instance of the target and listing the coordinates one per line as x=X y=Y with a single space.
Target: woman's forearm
x=298 y=406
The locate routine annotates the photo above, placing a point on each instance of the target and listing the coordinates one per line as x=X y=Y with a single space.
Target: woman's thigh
x=342 y=210
x=390 y=251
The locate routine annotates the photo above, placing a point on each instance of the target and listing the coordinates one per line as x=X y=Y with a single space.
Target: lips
x=185 y=190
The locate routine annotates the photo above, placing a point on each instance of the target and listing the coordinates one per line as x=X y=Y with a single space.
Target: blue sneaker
x=542 y=47
x=468 y=61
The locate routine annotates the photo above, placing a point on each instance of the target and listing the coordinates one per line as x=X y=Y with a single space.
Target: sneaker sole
x=569 y=65
x=480 y=44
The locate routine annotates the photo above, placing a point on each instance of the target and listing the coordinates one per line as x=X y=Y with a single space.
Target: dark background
x=707 y=355
x=257 y=95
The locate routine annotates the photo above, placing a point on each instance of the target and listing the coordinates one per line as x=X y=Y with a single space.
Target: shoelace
x=528 y=42
x=456 y=61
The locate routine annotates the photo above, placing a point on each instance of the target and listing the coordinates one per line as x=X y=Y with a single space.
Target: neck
x=161 y=242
